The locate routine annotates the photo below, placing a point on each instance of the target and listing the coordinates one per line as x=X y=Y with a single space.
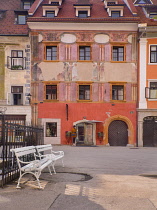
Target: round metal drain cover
x=65 y=177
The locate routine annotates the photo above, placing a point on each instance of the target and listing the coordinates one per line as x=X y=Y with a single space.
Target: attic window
x=83 y=14
x=115 y=14
x=50 y=14
x=27 y=5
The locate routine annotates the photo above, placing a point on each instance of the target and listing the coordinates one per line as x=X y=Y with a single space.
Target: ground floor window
x=51 y=129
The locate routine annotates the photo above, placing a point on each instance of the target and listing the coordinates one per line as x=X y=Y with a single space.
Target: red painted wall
x=92 y=111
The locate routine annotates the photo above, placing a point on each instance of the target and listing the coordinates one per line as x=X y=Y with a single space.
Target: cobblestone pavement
x=94 y=178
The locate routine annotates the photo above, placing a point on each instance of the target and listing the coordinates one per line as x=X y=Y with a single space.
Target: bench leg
x=18 y=184
x=50 y=170
x=52 y=164
x=37 y=175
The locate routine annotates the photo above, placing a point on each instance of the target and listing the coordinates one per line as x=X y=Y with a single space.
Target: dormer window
x=50 y=10
x=83 y=14
x=21 y=19
x=27 y=5
x=55 y=1
x=82 y=8
x=2 y=14
x=115 y=14
x=50 y=14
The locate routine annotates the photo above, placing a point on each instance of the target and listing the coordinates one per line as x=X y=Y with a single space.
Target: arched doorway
x=118 y=133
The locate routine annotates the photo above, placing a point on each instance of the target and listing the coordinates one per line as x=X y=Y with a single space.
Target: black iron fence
x=12 y=136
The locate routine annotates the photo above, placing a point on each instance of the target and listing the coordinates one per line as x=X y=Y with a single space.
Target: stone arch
x=122 y=118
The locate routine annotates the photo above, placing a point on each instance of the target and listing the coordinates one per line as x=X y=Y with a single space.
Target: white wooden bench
x=34 y=167
x=50 y=154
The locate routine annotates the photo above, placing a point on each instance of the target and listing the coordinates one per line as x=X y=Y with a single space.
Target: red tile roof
x=7 y=23
x=68 y=11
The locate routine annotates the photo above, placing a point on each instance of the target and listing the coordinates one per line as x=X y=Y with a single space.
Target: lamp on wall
x=29 y=97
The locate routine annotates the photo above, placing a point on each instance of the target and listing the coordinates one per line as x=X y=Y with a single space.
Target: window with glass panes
x=153 y=54
x=50 y=13
x=117 y=92
x=51 y=129
x=82 y=14
x=153 y=90
x=84 y=53
x=27 y=5
x=115 y=13
x=51 y=92
x=84 y=92
x=51 y=53
x=21 y=19
x=16 y=59
x=117 y=53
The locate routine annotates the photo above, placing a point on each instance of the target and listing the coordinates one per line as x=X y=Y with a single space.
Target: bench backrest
x=21 y=151
x=42 y=148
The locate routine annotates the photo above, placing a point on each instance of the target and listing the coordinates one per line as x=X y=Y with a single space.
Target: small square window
x=82 y=14
x=50 y=14
x=21 y=19
x=84 y=92
x=84 y=53
x=27 y=5
x=117 y=53
x=51 y=129
x=51 y=53
x=115 y=14
x=117 y=92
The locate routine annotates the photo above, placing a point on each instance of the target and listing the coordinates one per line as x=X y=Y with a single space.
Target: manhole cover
x=65 y=177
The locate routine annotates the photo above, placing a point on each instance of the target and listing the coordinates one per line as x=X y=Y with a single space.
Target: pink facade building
x=84 y=70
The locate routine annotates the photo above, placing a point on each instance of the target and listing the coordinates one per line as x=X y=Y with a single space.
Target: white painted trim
x=142 y=73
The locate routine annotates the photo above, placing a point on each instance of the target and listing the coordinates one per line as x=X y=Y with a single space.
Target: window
x=17 y=60
x=17 y=94
x=83 y=14
x=117 y=92
x=51 y=92
x=21 y=19
x=27 y=5
x=153 y=15
x=117 y=53
x=50 y=14
x=51 y=53
x=84 y=53
x=151 y=91
x=153 y=54
x=115 y=14
x=84 y=92
x=51 y=129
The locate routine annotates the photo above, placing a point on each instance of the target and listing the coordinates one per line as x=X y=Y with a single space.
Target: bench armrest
x=58 y=153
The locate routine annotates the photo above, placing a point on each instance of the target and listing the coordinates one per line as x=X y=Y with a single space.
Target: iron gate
x=13 y=136
x=150 y=131
x=118 y=133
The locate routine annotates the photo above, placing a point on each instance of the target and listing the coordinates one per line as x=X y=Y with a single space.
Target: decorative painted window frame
x=51 y=83
x=124 y=93
x=78 y=51
x=47 y=44
x=84 y=83
x=118 y=45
